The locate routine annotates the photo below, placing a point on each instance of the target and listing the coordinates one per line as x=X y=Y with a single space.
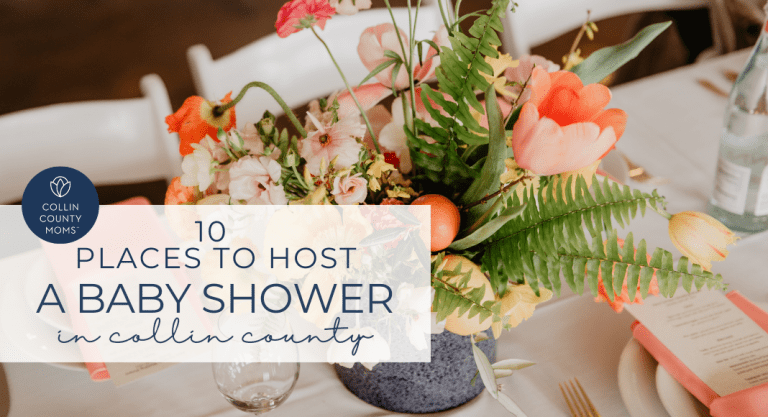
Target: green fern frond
x=460 y=78
x=452 y=293
x=565 y=235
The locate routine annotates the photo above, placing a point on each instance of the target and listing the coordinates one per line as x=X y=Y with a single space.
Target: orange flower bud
x=179 y=194
x=195 y=120
x=700 y=237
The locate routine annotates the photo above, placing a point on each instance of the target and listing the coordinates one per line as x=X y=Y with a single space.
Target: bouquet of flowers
x=505 y=151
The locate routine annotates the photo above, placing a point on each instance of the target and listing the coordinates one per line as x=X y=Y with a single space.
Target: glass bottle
x=740 y=196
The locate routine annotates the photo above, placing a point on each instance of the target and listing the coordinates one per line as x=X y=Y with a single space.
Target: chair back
x=110 y=141
x=538 y=21
x=298 y=67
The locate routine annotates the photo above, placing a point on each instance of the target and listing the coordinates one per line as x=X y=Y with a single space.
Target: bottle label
x=761 y=209
x=731 y=186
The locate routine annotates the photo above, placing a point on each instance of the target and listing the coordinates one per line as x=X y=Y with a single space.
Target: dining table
x=673 y=133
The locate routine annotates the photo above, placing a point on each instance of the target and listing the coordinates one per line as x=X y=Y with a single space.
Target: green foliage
x=452 y=293
x=488 y=181
x=487 y=229
x=459 y=79
x=561 y=231
x=603 y=62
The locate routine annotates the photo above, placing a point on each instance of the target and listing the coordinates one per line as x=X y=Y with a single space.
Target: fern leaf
x=547 y=240
x=460 y=76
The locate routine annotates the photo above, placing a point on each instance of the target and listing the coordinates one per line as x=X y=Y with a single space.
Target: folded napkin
x=752 y=402
x=99 y=370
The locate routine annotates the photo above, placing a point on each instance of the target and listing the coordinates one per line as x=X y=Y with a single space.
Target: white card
x=123 y=373
x=718 y=342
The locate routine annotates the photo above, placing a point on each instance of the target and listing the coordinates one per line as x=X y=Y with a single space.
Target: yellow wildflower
x=379 y=167
x=498 y=79
x=401 y=192
x=373 y=184
x=514 y=173
x=317 y=197
x=518 y=305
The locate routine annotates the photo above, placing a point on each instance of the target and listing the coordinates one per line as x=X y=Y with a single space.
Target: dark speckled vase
x=439 y=385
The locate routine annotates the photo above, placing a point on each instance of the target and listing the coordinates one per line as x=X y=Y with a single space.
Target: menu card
x=717 y=341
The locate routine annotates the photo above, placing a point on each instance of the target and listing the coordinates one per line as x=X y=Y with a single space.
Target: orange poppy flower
x=195 y=120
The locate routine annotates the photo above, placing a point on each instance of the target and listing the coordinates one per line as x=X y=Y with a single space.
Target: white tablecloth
x=673 y=131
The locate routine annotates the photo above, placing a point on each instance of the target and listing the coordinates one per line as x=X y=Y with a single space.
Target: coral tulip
x=564 y=127
x=700 y=237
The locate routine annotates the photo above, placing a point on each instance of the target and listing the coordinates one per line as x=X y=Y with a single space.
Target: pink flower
x=522 y=71
x=302 y=14
x=254 y=179
x=349 y=190
x=251 y=140
x=350 y=7
x=432 y=60
x=342 y=140
x=392 y=137
x=373 y=42
x=564 y=126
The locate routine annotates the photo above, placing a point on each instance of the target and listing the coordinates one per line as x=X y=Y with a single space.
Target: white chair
x=111 y=142
x=298 y=67
x=538 y=21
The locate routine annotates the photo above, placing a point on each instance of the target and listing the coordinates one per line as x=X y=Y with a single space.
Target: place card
x=123 y=373
x=717 y=341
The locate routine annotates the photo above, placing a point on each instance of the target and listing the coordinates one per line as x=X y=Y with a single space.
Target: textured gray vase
x=439 y=385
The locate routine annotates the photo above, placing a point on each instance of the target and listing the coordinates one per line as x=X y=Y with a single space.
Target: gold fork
x=577 y=400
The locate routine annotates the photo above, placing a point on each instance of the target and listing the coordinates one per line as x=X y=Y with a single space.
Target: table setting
x=555 y=246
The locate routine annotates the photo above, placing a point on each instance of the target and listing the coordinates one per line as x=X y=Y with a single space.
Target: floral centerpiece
x=505 y=151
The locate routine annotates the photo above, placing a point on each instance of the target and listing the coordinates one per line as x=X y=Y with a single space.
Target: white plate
x=676 y=399
x=649 y=390
x=16 y=318
x=637 y=382
x=40 y=275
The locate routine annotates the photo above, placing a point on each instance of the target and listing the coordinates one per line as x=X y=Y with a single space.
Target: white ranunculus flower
x=197 y=168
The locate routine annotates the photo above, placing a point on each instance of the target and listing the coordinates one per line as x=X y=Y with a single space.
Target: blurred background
x=56 y=51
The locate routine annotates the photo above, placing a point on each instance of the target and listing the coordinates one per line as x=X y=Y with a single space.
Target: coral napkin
x=752 y=402
x=99 y=371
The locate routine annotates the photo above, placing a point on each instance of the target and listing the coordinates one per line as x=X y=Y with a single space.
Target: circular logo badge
x=60 y=205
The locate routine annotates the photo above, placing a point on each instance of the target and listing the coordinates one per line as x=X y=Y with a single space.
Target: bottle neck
x=762 y=42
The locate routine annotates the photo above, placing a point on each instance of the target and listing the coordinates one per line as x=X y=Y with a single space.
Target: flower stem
x=578 y=39
x=220 y=109
x=442 y=14
x=352 y=93
x=412 y=24
x=399 y=38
